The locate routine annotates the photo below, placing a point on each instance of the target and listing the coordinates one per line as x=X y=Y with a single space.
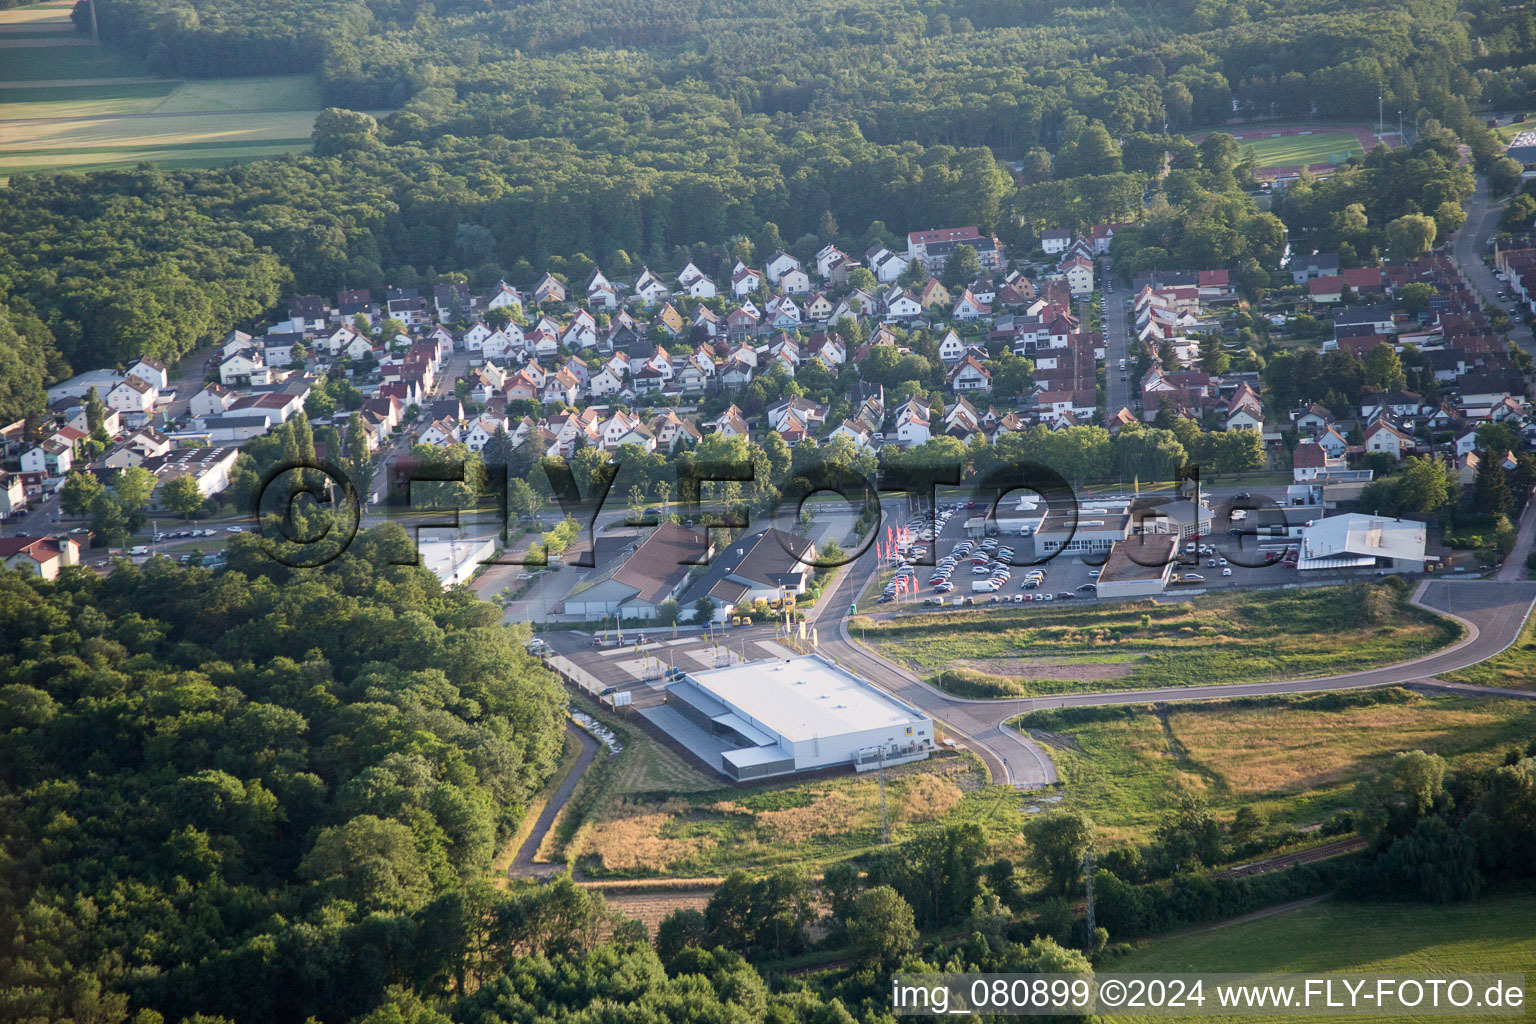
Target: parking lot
x=1072 y=574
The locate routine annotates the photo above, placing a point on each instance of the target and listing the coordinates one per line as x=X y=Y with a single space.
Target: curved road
x=1492 y=612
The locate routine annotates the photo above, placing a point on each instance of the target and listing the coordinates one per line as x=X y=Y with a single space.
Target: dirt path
x=523 y=865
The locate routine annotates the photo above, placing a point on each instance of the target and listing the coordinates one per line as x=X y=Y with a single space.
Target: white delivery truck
x=986 y=586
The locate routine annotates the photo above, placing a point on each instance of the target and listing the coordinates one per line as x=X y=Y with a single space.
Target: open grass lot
x=1512 y=669
x=655 y=815
x=1217 y=638
x=1317 y=148
x=1294 y=758
x=1493 y=935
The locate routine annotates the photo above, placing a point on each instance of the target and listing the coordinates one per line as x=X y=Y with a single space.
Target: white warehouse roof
x=1361 y=536
x=804 y=697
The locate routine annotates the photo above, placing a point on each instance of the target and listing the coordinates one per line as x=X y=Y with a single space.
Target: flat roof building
x=1138 y=566
x=784 y=715
x=1354 y=540
x=1087 y=532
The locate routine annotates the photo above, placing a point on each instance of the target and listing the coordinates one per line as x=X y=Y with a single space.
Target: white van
x=139 y=550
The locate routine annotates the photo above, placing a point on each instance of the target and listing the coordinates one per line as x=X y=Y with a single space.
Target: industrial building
x=1522 y=148
x=782 y=715
x=1361 y=541
x=1139 y=566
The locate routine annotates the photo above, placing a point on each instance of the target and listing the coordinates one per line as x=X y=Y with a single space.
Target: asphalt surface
x=1117 y=335
x=1471 y=245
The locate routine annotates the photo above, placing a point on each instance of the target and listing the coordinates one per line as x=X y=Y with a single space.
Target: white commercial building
x=778 y=716
x=455 y=560
x=1354 y=540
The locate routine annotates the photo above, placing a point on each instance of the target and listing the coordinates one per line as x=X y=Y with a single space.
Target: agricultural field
x=1492 y=935
x=1317 y=148
x=67 y=105
x=1292 y=758
x=653 y=815
x=1213 y=639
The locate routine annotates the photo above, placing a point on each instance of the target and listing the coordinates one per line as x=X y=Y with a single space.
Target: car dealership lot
x=1252 y=561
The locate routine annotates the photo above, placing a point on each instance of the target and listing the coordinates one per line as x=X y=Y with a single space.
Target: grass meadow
x=1293 y=758
x=1218 y=638
x=1427 y=940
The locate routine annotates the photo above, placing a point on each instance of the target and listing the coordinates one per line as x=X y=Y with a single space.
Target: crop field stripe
x=170 y=147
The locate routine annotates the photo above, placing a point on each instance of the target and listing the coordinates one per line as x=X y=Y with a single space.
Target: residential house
x=133 y=396
x=968 y=307
x=1055 y=241
x=886 y=265
x=503 y=296
x=745 y=281
x=765 y=566
x=13 y=495
x=794 y=281
x=696 y=283
x=451 y=300
x=1078 y=272
x=650 y=288
x=549 y=289
x=308 y=310
x=780 y=264
x=1244 y=410
x=40 y=556
x=1382 y=436
x=970 y=375
x=239 y=367
x=1322 y=264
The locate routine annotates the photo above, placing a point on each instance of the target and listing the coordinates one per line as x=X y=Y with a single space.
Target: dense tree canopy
x=216 y=785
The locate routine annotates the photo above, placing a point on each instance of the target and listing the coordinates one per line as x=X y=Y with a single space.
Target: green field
x=1318 y=148
x=1492 y=935
x=1294 y=759
x=71 y=106
x=1217 y=638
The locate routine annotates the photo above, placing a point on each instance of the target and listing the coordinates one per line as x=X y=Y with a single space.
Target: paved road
x=522 y=864
x=1117 y=340
x=1492 y=612
x=1470 y=246
x=1525 y=534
